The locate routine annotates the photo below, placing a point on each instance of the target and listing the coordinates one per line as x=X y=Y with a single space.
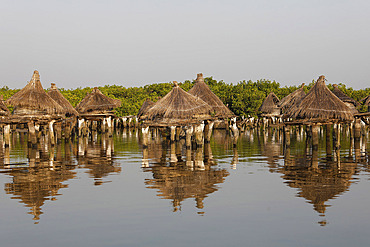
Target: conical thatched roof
x=97 y=102
x=145 y=107
x=201 y=90
x=321 y=104
x=55 y=94
x=32 y=99
x=178 y=105
x=3 y=109
x=292 y=99
x=270 y=105
x=344 y=97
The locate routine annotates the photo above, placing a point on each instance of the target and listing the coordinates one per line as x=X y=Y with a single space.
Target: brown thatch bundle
x=178 y=105
x=321 y=104
x=201 y=90
x=4 y=111
x=292 y=99
x=32 y=99
x=96 y=102
x=56 y=95
x=270 y=105
x=145 y=107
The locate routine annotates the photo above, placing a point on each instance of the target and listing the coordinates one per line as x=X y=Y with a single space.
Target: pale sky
x=78 y=43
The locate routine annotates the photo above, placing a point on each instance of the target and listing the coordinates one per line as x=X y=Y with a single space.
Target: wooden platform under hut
x=292 y=99
x=351 y=103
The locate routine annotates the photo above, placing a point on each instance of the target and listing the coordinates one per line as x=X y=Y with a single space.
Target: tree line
x=243 y=98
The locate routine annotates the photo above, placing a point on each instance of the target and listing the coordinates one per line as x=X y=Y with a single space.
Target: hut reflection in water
x=41 y=178
x=180 y=173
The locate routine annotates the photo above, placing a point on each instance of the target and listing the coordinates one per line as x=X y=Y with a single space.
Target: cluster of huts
x=38 y=112
x=319 y=107
x=191 y=115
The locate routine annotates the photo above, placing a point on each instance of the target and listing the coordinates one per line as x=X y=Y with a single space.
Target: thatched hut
x=201 y=90
x=97 y=103
x=269 y=107
x=145 y=107
x=178 y=107
x=33 y=100
x=320 y=104
x=56 y=95
x=4 y=111
x=292 y=99
x=351 y=103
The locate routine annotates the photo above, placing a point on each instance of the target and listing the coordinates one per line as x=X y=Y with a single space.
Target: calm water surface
x=112 y=192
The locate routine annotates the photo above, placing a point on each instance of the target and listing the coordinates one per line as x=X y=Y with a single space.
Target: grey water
x=101 y=191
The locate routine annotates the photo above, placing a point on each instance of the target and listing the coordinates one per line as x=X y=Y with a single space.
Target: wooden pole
x=51 y=132
x=7 y=135
x=32 y=133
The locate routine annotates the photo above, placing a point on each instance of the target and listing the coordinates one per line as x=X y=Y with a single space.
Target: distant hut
x=201 y=90
x=56 y=95
x=178 y=107
x=97 y=103
x=4 y=111
x=269 y=107
x=321 y=104
x=33 y=100
x=292 y=99
x=366 y=101
x=351 y=103
x=145 y=107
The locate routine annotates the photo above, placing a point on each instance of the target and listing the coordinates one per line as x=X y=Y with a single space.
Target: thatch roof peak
x=145 y=107
x=57 y=96
x=32 y=99
x=97 y=102
x=321 y=104
x=178 y=105
x=201 y=90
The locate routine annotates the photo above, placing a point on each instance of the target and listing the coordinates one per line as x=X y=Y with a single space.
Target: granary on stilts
x=34 y=107
x=96 y=108
x=351 y=103
x=320 y=107
x=269 y=111
x=292 y=99
x=179 y=109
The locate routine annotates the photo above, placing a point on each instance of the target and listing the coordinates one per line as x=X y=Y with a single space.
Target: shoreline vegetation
x=243 y=98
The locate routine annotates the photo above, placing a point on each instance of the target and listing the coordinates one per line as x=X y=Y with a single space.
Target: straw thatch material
x=351 y=103
x=270 y=105
x=32 y=99
x=145 y=107
x=96 y=102
x=201 y=90
x=292 y=99
x=178 y=105
x=4 y=111
x=56 y=95
x=321 y=104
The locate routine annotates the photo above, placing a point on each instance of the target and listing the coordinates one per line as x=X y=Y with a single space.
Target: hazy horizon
x=135 y=43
